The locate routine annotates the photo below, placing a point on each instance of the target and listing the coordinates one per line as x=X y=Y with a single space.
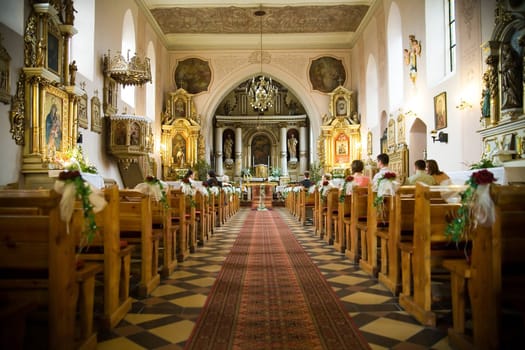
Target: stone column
x=284 y=164
x=302 y=149
x=218 y=150
x=238 y=150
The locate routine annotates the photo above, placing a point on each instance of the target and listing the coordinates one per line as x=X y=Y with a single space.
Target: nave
x=166 y=318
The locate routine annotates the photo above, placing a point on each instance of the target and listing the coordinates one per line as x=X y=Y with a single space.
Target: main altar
x=261 y=194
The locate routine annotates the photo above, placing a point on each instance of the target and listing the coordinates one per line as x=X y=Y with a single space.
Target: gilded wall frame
x=341 y=103
x=110 y=95
x=96 y=116
x=440 y=111
x=55 y=132
x=5 y=73
x=83 y=111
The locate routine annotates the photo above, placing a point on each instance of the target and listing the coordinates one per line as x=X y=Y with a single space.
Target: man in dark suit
x=306 y=182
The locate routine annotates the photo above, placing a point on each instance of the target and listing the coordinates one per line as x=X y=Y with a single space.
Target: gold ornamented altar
x=340 y=140
x=182 y=144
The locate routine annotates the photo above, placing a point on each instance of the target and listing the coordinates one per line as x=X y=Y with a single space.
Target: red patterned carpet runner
x=270 y=295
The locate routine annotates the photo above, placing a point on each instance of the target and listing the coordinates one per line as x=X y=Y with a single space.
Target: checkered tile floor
x=165 y=319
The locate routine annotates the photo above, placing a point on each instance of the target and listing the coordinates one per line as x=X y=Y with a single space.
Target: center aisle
x=270 y=295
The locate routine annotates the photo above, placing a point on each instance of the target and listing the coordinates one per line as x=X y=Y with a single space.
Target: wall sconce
x=463 y=105
x=441 y=136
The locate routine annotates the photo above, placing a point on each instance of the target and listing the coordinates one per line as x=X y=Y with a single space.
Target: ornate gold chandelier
x=134 y=71
x=261 y=91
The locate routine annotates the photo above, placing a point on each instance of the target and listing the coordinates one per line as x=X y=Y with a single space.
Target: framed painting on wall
x=96 y=118
x=83 y=111
x=55 y=122
x=440 y=111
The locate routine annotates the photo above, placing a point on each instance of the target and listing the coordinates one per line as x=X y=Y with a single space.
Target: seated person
x=306 y=182
x=382 y=163
x=420 y=175
x=357 y=172
x=440 y=177
x=212 y=179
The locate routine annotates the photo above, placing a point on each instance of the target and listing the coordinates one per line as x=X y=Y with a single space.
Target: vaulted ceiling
x=291 y=24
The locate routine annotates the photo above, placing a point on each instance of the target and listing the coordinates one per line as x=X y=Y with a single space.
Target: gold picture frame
x=5 y=84
x=83 y=111
x=110 y=95
x=96 y=116
x=440 y=111
x=341 y=103
x=56 y=133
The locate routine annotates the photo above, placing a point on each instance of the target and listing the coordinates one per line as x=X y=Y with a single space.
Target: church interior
x=134 y=92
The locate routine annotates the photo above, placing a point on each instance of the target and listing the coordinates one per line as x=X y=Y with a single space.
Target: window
x=451 y=37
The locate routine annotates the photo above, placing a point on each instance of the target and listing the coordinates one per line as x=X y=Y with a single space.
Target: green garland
x=82 y=190
x=460 y=226
x=156 y=182
x=349 y=179
x=378 y=200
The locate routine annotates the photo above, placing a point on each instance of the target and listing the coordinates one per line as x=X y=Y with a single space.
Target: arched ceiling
x=291 y=24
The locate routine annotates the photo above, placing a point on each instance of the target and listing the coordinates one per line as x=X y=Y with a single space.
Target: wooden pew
x=425 y=253
x=494 y=277
x=108 y=248
x=162 y=227
x=400 y=229
x=401 y=226
x=202 y=217
x=307 y=203
x=344 y=206
x=38 y=263
x=135 y=219
x=377 y=222
x=180 y=223
x=359 y=208
x=318 y=212
x=330 y=224
x=211 y=212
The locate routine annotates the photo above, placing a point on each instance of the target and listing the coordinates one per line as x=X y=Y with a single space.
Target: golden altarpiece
x=340 y=140
x=397 y=148
x=182 y=144
x=502 y=103
x=44 y=109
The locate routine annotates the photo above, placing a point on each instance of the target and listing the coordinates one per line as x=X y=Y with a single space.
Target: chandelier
x=134 y=71
x=261 y=90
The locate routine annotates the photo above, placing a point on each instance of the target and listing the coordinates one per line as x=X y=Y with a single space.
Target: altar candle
x=268 y=162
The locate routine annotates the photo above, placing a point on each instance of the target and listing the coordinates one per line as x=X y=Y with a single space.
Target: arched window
x=128 y=50
x=372 y=88
x=83 y=43
x=150 y=87
x=440 y=20
x=395 y=57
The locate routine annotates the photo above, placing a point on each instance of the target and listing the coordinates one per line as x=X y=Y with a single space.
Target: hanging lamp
x=261 y=90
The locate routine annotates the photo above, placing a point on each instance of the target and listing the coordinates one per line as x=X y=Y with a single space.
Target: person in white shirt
x=382 y=164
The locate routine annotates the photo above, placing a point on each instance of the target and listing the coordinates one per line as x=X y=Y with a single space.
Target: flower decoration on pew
x=71 y=186
x=325 y=187
x=347 y=188
x=154 y=187
x=477 y=208
x=386 y=186
x=188 y=189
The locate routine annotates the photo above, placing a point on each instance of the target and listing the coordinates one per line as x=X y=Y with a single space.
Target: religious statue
x=292 y=146
x=40 y=53
x=411 y=57
x=485 y=96
x=72 y=72
x=511 y=84
x=228 y=147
